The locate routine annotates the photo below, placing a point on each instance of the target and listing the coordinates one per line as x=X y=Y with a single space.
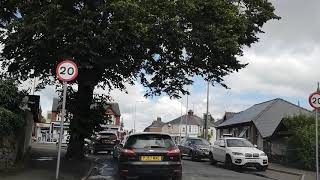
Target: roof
x=266 y=116
x=56 y=106
x=115 y=108
x=156 y=124
x=188 y=119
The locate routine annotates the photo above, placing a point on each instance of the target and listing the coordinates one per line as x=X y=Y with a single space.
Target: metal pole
x=317 y=142
x=61 y=126
x=207 y=116
x=135 y=116
x=34 y=85
x=187 y=116
x=180 y=122
x=317 y=147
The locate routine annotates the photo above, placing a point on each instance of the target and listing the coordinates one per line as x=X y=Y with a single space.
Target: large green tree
x=159 y=43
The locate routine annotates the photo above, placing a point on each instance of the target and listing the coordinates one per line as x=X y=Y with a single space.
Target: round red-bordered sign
x=314 y=100
x=67 y=70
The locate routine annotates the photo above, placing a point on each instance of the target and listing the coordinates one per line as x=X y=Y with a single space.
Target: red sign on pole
x=67 y=71
x=314 y=100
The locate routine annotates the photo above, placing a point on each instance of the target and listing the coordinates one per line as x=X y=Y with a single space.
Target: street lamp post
x=135 y=115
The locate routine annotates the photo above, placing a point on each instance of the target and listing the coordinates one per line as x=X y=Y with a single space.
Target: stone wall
x=8 y=152
x=13 y=148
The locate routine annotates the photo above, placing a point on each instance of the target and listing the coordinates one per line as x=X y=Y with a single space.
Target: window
x=183 y=129
x=189 y=128
x=152 y=140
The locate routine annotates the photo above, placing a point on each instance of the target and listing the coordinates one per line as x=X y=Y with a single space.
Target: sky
x=283 y=64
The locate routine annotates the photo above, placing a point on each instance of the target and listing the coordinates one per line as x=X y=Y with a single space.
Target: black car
x=196 y=148
x=104 y=141
x=150 y=154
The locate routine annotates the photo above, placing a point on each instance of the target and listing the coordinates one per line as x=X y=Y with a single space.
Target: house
x=262 y=124
x=188 y=125
x=156 y=126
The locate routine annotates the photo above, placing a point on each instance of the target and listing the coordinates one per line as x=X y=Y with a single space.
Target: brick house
x=156 y=126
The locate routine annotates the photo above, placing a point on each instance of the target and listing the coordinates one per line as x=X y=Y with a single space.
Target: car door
x=220 y=150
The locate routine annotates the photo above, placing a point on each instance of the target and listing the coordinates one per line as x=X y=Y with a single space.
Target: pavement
x=304 y=175
x=105 y=169
x=41 y=165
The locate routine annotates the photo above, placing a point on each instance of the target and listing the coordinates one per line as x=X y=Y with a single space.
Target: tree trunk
x=79 y=123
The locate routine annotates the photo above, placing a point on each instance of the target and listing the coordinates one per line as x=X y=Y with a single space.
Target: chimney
x=159 y=119
x=190 y=113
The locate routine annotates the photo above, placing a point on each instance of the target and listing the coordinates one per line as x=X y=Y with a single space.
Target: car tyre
x=262 y=168
x=212 y=160
x=228 y=163
x=193 y=156
x=177 y=177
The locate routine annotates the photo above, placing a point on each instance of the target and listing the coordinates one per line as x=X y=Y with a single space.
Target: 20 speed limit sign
x=67 y=71
x=314 y=100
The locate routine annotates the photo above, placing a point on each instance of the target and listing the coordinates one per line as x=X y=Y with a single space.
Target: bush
x=301 y=143
x=10 y=122
x=11 y=118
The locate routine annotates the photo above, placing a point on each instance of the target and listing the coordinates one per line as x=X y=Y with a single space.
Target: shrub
x=301 y=143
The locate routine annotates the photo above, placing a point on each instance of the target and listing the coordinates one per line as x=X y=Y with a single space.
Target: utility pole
x=207 y=114
x=180 y=122
x=317 y=141
x=187 y=115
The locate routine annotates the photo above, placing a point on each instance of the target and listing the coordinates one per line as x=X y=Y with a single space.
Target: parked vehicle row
x=156 y=154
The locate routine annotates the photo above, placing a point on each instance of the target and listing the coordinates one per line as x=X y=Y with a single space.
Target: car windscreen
x=149 y=140
x=238 y=143
x=199 y=142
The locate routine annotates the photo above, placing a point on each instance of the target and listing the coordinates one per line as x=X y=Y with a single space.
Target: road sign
x=314 y=100
x=67 y=71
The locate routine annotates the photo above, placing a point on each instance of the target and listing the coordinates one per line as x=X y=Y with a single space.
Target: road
x=105 y=169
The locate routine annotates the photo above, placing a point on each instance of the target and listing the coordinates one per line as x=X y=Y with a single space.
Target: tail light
x=128 y=152
x=173 y=152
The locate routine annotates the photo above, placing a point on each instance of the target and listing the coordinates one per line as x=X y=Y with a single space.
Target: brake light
x=128 y=152
x=173 y=152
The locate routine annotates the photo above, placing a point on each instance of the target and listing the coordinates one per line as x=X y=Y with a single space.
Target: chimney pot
x=159 y=119
x=190 y=112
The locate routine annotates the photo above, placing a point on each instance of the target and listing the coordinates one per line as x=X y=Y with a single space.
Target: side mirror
x=255 y=146
x=117 y=141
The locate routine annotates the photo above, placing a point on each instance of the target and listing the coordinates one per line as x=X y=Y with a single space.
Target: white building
x=188 y=125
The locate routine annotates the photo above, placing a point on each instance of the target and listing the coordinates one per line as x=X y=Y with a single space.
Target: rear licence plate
x=151 y=158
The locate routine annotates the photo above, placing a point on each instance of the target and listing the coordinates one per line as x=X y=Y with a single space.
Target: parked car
x=196 y=148
x=104 y=141
x=149 y=154
x=238 y=152
x=117 y=148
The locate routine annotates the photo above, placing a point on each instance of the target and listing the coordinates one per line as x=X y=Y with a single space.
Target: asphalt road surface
x=106 y=169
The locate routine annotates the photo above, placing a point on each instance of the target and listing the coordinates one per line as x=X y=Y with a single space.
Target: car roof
x=231 y=138
x=149 y=133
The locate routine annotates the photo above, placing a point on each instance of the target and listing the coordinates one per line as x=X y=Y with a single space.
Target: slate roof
x=156 y=124
x=266 y=116
x=189 y=119
x=115 y=108
x=56 y=106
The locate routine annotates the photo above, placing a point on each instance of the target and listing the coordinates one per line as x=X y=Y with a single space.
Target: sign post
x=66 y=71
x=314 y=100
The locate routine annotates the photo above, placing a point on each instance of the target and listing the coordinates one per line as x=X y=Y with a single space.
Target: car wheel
x=213 y=161
x=262 y=168
x=228 y=163
x=177 y=178
x=193 y=156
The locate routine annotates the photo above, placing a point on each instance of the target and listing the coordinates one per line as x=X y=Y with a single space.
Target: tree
x=159 y=43
x=301 y=144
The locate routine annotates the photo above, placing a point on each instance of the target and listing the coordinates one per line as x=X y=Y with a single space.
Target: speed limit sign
x=67 y=71
x=314 y=100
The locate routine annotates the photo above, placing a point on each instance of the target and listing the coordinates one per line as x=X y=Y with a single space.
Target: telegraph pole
x=207 y=114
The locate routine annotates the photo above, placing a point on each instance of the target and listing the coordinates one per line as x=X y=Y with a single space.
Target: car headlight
x=237 y=153
x=263 y=154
